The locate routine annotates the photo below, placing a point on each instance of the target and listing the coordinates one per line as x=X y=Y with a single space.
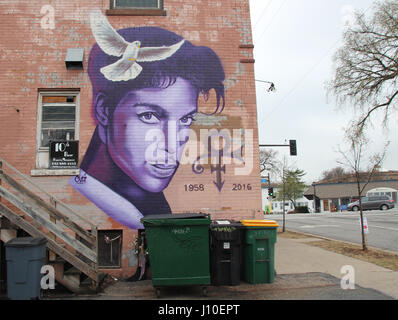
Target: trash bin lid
x=174 y=216
x=259 y=223
x=225 y=223
x=23 y=242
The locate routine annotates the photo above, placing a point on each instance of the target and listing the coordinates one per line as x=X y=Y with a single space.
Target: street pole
x=315 y=208
x=269 y=197
x=283 y=181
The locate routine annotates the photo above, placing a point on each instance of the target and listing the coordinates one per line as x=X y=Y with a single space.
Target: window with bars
x=136 y=4
x=58 y=119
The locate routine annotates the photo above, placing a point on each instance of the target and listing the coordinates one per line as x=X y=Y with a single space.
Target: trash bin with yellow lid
x=259 y=250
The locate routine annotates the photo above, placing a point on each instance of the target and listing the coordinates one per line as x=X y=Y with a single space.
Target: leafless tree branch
x=366 y=66
x=353 y=159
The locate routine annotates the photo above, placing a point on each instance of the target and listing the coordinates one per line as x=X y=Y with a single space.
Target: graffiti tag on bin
x=224 y=229
x=185 y=230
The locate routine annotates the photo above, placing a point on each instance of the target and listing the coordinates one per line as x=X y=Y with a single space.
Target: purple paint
x=143 y=125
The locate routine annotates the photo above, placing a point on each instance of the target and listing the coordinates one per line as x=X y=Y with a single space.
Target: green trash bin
x=25 y=257
x=259 y=250
x=178 y=249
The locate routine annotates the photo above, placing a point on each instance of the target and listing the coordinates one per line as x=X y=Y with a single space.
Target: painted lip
x=162 y=170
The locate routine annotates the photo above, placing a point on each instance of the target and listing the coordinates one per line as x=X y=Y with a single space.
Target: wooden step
x=7 y=234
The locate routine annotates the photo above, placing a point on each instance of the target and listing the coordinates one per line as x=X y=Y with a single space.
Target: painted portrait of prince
x=146 y=82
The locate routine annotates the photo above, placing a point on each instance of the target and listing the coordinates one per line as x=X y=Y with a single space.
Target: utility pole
x=315 y=207
x=284 y=210
x=269 y=197
x=293 y=152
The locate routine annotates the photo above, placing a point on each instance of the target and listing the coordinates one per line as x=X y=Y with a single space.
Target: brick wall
x=32 y=59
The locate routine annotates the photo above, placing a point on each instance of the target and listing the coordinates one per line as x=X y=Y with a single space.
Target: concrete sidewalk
x=304 y=272
x=296 y=256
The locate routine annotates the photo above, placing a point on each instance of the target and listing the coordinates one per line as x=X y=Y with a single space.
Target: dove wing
x=107 y=38
x=149 y=54
x=121 y=70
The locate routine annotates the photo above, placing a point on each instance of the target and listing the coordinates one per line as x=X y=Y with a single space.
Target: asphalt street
x=383 y=226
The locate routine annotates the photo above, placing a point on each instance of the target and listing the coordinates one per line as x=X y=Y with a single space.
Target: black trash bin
x=225 y=252
x=25 y=257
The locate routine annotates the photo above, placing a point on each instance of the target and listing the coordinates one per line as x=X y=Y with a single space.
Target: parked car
x=372 y=203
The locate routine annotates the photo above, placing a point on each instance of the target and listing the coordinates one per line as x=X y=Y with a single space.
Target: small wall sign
x=64 y=154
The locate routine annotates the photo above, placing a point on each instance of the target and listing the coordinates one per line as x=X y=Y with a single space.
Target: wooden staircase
x=72 y=249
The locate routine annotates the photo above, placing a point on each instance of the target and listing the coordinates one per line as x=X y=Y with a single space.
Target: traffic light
x=293 y=147
x=271 y=192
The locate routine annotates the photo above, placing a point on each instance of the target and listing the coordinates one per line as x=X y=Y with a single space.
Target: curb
x=342 y=241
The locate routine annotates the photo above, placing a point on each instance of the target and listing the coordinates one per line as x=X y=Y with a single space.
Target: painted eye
x=148 y=117
x=186 y=121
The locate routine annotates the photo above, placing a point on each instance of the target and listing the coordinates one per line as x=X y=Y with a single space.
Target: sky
x=294 y=43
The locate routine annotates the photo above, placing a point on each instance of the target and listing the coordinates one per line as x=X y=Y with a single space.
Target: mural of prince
x=146 y=83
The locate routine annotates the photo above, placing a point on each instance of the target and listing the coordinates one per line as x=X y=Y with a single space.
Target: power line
x=305 y=75
x=272 y=20
x=300 y=81
x=262 y=13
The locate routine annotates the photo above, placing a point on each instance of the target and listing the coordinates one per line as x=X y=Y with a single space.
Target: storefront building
x=334 y=196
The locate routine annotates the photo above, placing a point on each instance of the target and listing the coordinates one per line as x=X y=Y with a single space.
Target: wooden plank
x=51 y=210
x=59 y=232
x=51 y=245
x=51 y=255
x=7 y=234
x=46 y=193
x=95 y=231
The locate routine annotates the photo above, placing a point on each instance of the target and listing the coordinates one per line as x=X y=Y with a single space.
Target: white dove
x=113 y=44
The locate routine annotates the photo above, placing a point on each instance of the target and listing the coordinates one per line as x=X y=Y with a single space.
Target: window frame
x=41 y=151
x=114 y=6
x=101 y=233
x=136 y=11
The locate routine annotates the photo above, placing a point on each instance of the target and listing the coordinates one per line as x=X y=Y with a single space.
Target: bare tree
x=366 y=66
x=268 y=161
x=335 y=173
x=353 y=159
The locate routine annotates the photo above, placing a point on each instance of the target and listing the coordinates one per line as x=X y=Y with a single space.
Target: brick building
x=66 y=123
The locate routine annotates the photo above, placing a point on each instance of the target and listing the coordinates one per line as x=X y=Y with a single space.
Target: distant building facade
x=334 y=194
x=271 y=205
